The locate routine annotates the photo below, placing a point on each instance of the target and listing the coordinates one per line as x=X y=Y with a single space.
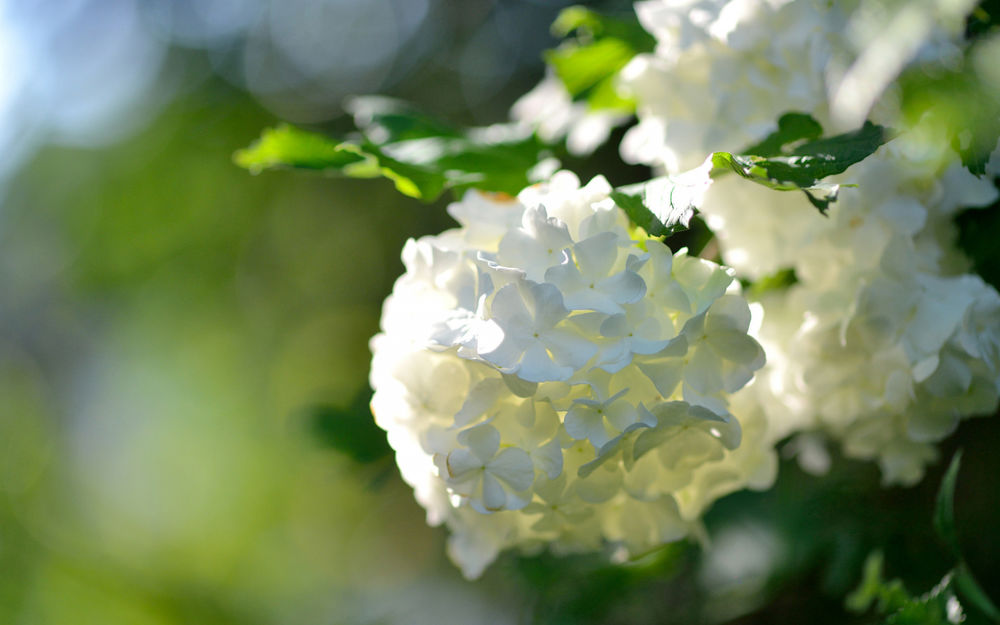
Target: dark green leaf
x=833 y=155
x=350 y=430
x=944 y=511
x=422 y=156
x=781 y=174
x=792 y=127
x=973 y=594
x=983 y=19
x=804 y=167
x=977 y=239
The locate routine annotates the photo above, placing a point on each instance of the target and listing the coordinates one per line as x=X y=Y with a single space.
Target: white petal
x=704 y=372
x=735 y=346
x=538 y=366
x=625 y=287
x=481 y=398
x=545 y=302
x=462 y=464
x=665 y=374
x=549 y=458
x=482 y=440
x=596 y=255
x=568 y=347
x=586 y=423
x=513 y=465
x=494 y=496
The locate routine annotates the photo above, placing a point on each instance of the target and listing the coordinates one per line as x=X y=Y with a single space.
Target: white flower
x=725 y=70
x=545 y=379
x=874 y=344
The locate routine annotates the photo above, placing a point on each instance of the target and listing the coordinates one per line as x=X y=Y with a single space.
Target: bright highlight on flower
x=546 y=379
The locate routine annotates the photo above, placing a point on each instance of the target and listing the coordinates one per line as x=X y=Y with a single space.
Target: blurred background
x=182 y=344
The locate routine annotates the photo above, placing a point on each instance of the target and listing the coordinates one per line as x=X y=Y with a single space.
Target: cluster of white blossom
x=545 y=379
x=884 y=342
x=725 y=70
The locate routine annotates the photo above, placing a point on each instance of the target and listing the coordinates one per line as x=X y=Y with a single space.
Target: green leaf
x=890 y=596
x=583 y=67
x=974 y=595
x=350 y=430
x=833 y=155
x=588 y=62
x=804 y=167
x=663 y=206
x=287 y=146
x=781 y=174
x=944 y=511
x=934 y=608
x=792 y=127
x=421 y=155
x=891 y=599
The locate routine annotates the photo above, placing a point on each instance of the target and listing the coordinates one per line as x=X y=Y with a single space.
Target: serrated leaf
x=944 y=511
x=804 y=167
x=833 y=155
x=781 y=174
x=287 y=146
x=666 y=205
x=421 y=155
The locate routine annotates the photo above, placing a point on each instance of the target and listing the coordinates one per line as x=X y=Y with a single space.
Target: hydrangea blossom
x=545 y=379
x=871 y=345
x=886 y=360
x=725 y=70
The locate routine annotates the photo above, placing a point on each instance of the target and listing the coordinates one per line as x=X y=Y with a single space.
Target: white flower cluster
x=883 y=342
x=724 y=70
x=547 y=380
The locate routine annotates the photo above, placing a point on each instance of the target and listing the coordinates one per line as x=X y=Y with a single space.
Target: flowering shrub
x=545 y=378
x=550 y=374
